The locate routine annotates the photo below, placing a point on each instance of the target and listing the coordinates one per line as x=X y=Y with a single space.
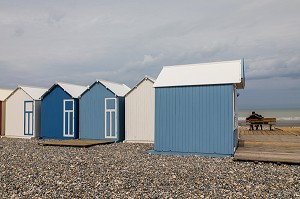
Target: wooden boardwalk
x=74 y=143
x=279 y=145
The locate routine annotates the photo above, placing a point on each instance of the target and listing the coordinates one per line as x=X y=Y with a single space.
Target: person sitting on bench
x=255 y=116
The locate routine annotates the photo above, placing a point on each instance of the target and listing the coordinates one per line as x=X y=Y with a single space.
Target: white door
x=68 y=118
x=28 y=117
x=110 y=118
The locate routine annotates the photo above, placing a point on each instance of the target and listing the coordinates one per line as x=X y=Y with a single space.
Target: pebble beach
x=125 y=170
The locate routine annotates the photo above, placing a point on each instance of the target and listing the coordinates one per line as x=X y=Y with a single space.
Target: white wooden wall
x=14 y=119
x=139 y=114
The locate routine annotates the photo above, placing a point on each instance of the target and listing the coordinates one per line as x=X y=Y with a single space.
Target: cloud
x=79 y=42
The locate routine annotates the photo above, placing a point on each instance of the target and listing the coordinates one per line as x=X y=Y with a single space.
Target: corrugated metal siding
x=14 y=119
x=139 y=119
x=52 y=115
x=194 y=119
x=92 y=113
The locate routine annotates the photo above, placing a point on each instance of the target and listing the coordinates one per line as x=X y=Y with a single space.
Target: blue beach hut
x=195 y=108
x=60 y=111
x=102 y=111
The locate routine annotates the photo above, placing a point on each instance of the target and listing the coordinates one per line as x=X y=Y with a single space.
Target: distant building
x=139 y=112
x=195 y=108
x=102 y=111
x=4 y=93
x=60 y=111
x=23 y=112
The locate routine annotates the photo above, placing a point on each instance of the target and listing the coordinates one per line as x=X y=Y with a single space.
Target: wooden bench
x=262 y=121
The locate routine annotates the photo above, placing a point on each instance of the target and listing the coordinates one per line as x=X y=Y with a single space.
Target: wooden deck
x=279 y=145
x=74 y=143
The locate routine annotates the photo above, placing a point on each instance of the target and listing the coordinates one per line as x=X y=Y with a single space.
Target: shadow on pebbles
x=123 y=170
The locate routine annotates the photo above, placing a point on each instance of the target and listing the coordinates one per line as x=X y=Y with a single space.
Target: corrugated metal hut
x=4 y=93
x=139 y=112
x=102 y=111
x=195 y=108
x=23 y=109
x=60 y=111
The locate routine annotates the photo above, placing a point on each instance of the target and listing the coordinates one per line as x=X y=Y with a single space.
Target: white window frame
x=33 y=118
x=68 y=111
x=110 y=115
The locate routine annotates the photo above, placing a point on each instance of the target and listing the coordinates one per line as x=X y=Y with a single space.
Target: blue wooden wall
x=92 y=108
x=52 y=114
x=195 y=119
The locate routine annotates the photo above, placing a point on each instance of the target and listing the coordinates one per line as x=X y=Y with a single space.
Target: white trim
x=67 y=134
x=30 y=131
x=110 y=111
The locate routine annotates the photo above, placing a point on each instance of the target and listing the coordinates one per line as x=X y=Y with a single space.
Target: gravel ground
x=120 y=170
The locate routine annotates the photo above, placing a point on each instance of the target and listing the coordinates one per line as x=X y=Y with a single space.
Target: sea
x=284 y=116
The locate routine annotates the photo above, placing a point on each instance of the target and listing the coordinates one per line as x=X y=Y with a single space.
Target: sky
x=42 y=42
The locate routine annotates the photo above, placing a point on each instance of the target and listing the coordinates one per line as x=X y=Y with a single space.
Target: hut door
x=69 y=118
x=28 y=117
x=110 y=118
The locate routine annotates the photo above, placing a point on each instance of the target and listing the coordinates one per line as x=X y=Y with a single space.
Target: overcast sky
x=42 y=42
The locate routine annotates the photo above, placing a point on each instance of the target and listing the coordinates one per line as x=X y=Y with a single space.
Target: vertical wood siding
x=92 y=114
x=139 y=115
x=194 y=119
x=52 y=114
x=37 y=118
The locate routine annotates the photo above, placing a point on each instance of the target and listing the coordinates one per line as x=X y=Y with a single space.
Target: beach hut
x=22 y=118
x=102 y=111
x=139 y=112
x=60 y=106
x=195 y=108
x=4 y=93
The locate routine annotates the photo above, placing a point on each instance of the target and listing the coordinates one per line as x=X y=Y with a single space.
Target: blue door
x=68 y=118
x=110 y=118
x=28 y=117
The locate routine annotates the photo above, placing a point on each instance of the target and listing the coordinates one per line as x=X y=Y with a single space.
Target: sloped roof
x=34 y=92
x=227 y=72
x=144 y=79
x=4 y=93
x=116 y=88
x=72 y=89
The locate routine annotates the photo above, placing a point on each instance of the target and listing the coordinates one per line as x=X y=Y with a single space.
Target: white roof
x=4 y=93
x=34 y=92
x=227 y=72
x=118 y=89
x=74 y=90
x=144 y=79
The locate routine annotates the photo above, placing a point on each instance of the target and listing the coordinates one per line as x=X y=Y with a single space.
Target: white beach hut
x=139 y=112
x=23 y=112
x=4 y=93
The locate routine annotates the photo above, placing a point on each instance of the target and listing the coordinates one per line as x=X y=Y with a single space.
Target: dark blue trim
x=188 y=153
x=28 y=113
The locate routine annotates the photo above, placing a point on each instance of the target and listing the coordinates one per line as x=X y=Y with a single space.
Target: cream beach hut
x=139 y=112
x=23 y=112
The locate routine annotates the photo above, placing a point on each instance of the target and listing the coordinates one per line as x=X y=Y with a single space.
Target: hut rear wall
x=194 y=119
